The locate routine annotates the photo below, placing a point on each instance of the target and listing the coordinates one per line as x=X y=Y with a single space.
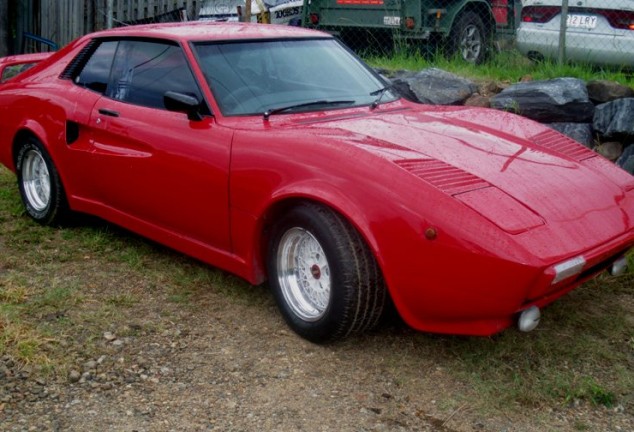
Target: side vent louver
x=445 y=177
x=78 y=62
x=556 y=142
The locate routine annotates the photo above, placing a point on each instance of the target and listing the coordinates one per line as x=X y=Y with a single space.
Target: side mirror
x=180 y=102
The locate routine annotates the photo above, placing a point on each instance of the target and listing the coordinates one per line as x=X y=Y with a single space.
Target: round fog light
x=619 y=266
x=529 y=319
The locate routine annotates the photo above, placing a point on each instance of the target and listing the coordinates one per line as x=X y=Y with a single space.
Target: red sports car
x=275 y=154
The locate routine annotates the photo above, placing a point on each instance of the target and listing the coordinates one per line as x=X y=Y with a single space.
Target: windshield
x=253 y=77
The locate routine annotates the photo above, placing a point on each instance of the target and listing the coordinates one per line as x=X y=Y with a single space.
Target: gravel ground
x=218 y=365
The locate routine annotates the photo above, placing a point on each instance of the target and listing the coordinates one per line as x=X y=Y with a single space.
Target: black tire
x=469 y=39
x=340 y=260
x=40 y=186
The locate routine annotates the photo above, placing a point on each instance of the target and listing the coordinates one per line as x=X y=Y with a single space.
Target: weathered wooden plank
x=64 y=20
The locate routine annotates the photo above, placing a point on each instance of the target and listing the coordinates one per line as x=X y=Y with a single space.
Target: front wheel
x=469 y=39
x=325 y=280
x=40 y=186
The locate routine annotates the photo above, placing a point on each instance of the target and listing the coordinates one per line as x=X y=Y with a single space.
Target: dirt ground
x=218 y=362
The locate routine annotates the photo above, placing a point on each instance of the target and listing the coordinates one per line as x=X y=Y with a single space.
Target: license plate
x=392 y=20
x=582 y=21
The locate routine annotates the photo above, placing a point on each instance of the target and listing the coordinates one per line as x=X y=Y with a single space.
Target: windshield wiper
x=380 y=93
x=269 y=112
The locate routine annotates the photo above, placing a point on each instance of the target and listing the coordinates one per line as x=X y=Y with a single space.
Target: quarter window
x=96 y=73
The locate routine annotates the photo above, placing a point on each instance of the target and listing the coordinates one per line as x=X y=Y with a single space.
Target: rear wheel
x=325 y=280
x=469 y=39
x=40 y=187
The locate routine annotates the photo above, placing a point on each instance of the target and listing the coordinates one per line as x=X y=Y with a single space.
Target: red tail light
x=314 y=19
x=617 y=18
x=410 y=23
x=539 y=14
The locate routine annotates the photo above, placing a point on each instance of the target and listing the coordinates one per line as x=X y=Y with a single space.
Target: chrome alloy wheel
x=36 y=180
x=303 y=274
x=471 y=43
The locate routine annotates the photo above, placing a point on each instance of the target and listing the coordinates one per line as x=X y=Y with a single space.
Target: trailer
x=463 y=27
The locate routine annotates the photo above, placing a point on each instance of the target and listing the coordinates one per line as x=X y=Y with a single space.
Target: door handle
x=108 y=112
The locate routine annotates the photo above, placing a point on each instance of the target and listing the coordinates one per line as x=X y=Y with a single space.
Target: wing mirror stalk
x=180 y=102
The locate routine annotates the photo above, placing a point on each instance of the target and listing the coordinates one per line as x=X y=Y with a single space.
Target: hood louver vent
x=445 y=177
x=556 y=142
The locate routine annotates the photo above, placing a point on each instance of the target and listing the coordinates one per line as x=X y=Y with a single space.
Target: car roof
x=199 y=31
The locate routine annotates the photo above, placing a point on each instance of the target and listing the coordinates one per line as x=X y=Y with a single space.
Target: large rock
x=602 y=91
x=616 y=118
x=435 y=86
x=626 y=161
x=581 y=132
x=556 y=100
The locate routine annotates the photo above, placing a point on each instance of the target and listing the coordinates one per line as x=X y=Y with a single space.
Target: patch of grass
x=95 y=239
x=26 y=307
x=58 y=296
x=581 y=426
x=122 y=300
x=13 y=292
x=238 y=290
x=61 y=288
x=181 y=296
x=9 y=196
x=23 y=342
x=133 y=256
x=585 y=388
x=505 y=66
x=192 y=277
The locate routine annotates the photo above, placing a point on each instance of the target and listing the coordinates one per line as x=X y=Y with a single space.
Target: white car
x=598 y=31
x=283 y=12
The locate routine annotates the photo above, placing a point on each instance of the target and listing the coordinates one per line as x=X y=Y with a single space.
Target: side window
x=143 y=71
x=96 y=73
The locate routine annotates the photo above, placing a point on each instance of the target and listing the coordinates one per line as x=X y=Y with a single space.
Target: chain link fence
x=586 y=31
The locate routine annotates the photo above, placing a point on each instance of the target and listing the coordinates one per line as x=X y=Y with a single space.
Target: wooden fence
x=61 y=21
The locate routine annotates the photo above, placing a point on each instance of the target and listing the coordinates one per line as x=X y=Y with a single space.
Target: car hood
x=517 y=173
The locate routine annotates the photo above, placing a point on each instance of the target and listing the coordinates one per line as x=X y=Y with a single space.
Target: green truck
x=464 y=27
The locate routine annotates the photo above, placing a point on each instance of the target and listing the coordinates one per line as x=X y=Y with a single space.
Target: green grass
x=122 y=300
x=505 y=66
x=71 y=284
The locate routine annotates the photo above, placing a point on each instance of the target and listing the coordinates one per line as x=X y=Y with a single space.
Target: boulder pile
x=599 y=114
